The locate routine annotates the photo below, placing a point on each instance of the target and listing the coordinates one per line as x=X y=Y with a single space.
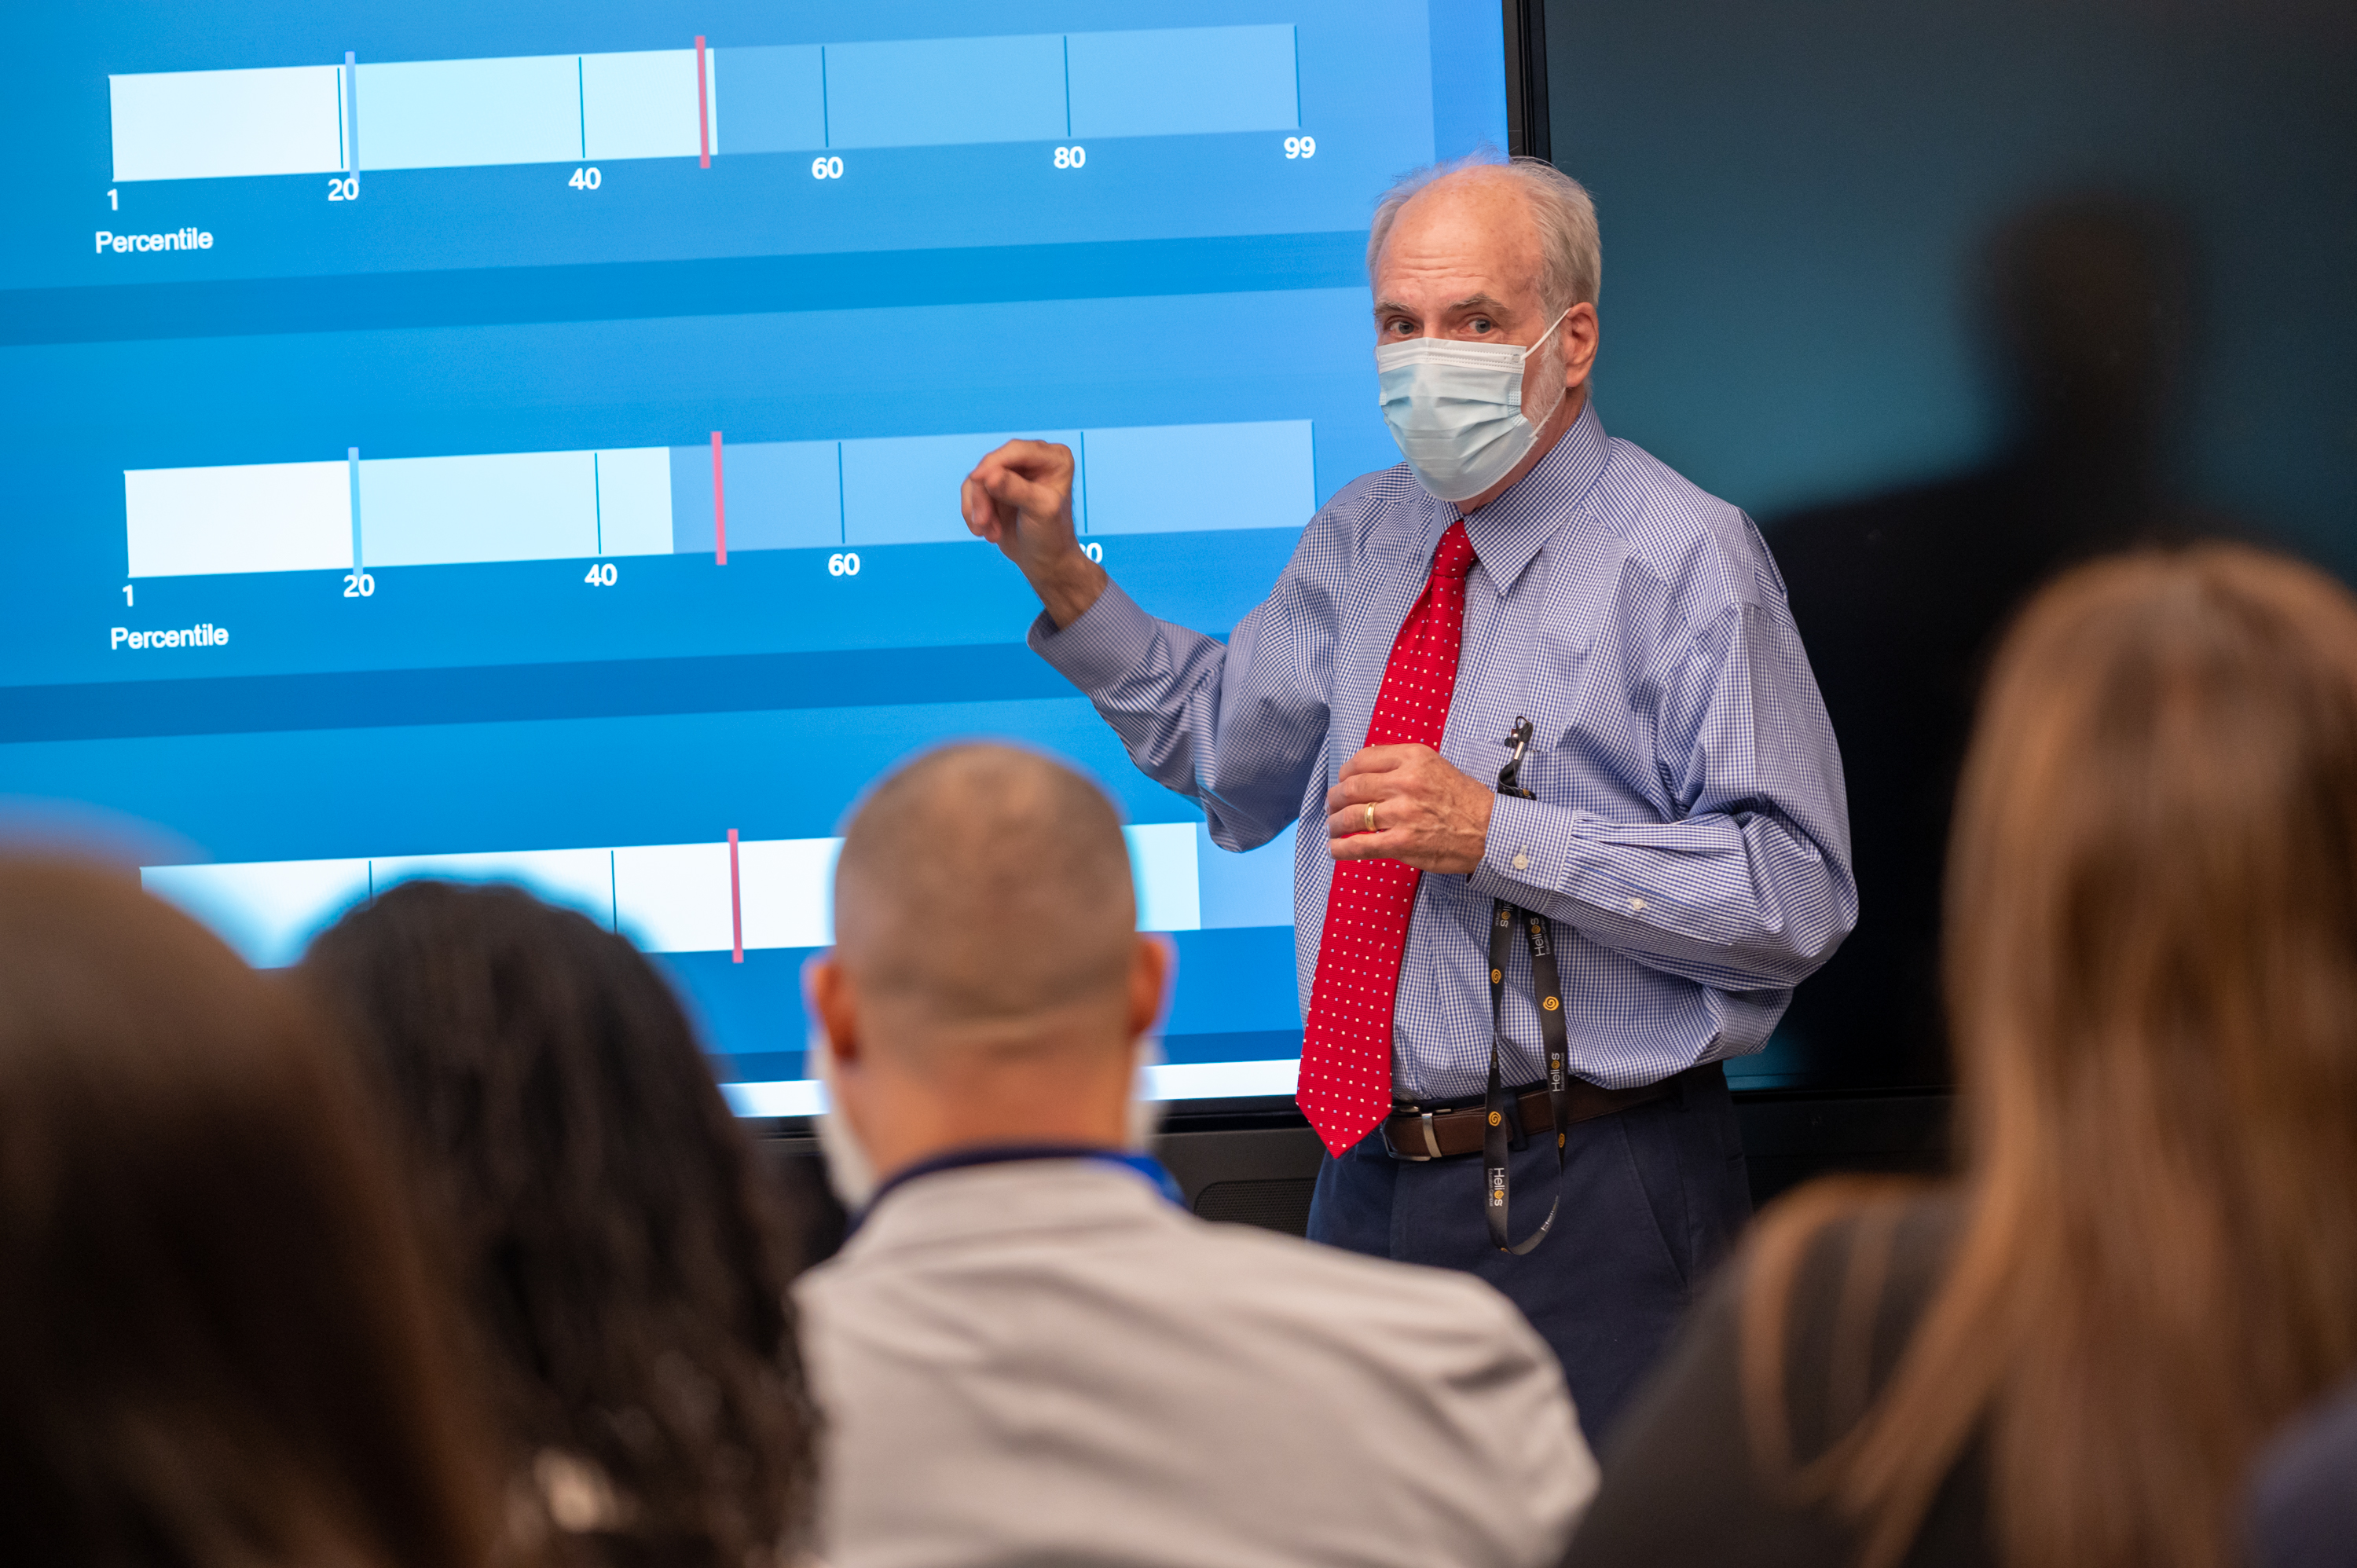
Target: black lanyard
x=1503 y=919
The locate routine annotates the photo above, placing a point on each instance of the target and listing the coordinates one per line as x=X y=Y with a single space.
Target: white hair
x=1571 y=267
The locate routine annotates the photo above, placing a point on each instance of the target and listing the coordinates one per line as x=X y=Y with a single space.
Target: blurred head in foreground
x=604 y=1218
x=988 y=983
x=2151 y=950
x=217 y=1342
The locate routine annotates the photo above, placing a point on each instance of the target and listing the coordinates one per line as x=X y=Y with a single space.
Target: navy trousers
x=1653 y=1197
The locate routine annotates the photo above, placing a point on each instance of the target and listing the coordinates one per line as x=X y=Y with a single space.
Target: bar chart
x=699 y=102
x=523 y=443
x=721 y=895
x=707 y=499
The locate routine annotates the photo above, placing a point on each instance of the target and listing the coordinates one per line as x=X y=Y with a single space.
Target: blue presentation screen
x=522 y=441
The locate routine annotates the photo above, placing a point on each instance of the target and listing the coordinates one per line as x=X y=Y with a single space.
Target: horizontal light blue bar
x=1163 y=873
x=903 y=490
x=511 y=506
x=269 y=912
x=930 y=91
x=523 y=109
x=691 y=500
x=642 y=104
x=776 y=99
x=535 y=506
x=451 y=114
x=1254 y=888
x=1179 y=81
x=201 y=124
x=1167 y=1080
x=1177 y=478
x=781 y=495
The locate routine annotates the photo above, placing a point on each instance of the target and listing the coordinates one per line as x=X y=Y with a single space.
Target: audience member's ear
x=834 y=1002
x=1151 y=965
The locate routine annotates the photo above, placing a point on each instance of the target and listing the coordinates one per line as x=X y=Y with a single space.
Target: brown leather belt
x=1413 y=1132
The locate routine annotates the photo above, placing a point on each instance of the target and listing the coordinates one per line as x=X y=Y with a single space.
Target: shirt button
x=1637 y=905
x=1522 y=863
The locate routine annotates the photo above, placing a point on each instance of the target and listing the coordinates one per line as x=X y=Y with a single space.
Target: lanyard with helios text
x=1504 y=920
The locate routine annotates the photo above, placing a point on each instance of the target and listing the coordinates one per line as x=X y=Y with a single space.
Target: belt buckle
x=1423 y=1120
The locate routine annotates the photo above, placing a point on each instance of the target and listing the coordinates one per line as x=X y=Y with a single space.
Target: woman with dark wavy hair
x=2072 y=1355
x=603 y=1216
x=220 y=1347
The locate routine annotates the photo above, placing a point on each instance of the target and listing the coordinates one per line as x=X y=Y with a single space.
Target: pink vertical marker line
x=703 y=110
x=719 y=508
x=735 y=907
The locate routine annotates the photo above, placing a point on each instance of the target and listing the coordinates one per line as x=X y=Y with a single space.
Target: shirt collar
x=1507 y=533
x=1145 y=1165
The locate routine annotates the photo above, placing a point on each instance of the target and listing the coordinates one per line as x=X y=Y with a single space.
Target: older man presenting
x=1523 y=987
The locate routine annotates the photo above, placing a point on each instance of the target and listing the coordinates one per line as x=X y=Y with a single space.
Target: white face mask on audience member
x=1145 y=1114
x=849 y=1171
x=851 y=1174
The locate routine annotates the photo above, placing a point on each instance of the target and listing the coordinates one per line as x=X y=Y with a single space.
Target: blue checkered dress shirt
x=1690 y=838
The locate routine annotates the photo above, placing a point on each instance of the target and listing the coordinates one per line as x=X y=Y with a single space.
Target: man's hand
x=1020 y=498
x=1427 y=812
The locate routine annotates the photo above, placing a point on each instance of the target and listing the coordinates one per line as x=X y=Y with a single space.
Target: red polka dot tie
x=1345 y=1050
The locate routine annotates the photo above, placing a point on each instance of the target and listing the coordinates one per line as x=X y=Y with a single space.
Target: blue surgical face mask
x=1456 y=409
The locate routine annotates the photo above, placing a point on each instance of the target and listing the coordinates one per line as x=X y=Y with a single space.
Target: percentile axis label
x=204 y=634
x=653 y=103
x=189 y=238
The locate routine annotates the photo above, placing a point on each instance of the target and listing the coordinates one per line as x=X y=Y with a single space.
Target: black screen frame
x=1527 y=132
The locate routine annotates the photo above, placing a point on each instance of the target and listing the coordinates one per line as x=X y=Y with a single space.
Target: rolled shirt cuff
x=1105 y=644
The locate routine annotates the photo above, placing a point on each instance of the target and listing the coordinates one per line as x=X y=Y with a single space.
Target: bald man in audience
x=1028 y=1351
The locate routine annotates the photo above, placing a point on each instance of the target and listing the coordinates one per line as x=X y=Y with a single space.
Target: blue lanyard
x=1145 y=1165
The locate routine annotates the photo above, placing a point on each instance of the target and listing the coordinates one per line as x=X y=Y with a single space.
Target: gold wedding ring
x=1370 y=816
